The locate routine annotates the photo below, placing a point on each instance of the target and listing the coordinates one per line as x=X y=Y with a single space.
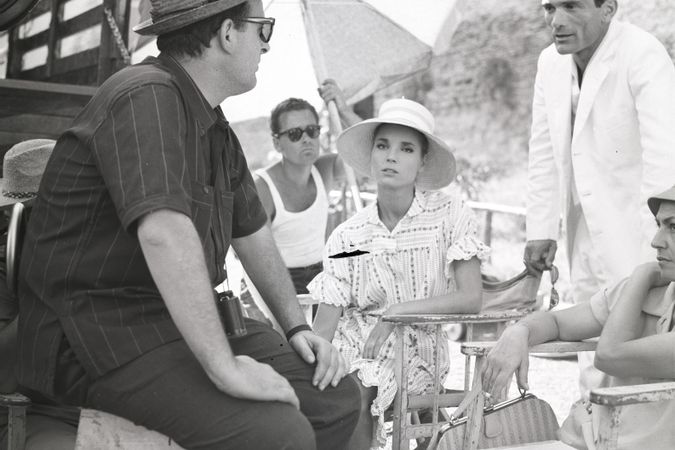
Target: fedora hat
x=655 y=201
x=13 y=11
x=22 y=170
x=356 y=142
x=170 y=15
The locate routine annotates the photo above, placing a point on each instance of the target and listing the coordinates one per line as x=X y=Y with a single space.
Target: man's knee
x=284 y=430
x=346 y=406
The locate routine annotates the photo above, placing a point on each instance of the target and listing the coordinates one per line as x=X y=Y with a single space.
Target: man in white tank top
x=294 y=191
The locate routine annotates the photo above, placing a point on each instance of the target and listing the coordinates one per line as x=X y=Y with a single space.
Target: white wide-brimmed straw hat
x=170 y=15
x=22 y=170
x=356 y=142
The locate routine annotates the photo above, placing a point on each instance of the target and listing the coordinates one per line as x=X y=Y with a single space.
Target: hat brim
x=655 y=202
x=182 y=19
x=15 y=13
x=9 y=201
x=355 y=145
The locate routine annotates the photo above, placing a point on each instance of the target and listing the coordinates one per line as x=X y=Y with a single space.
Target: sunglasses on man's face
x=266 y=28
x=295 y=134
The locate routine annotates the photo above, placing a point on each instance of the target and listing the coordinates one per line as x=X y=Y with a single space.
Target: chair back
x=15 y=232
x=519 y=293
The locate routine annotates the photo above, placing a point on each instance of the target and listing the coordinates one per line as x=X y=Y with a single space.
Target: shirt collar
x=417 y=206
x=193 y=97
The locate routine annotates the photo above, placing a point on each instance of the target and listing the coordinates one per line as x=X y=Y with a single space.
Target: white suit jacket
x=622 y=150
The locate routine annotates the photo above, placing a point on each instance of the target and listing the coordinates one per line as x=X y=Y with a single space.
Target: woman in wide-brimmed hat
x=413 y=251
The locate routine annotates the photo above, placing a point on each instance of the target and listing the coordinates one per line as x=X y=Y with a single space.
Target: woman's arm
x=326 y=320
x=468 y=297
x=622 y=351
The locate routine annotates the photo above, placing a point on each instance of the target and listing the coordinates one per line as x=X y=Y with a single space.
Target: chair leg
x=16 y=427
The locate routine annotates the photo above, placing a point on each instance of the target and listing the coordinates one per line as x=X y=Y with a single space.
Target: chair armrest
x=436 y=319
x=14 y=399
x=629 y=395
x=482 y=348
x=306 y=300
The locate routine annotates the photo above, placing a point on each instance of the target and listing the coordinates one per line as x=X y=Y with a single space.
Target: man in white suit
x=602 y=142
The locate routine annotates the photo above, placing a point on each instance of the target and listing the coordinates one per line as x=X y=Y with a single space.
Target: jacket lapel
x=595 y=75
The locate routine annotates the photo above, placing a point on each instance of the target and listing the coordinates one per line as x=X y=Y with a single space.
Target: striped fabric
x=148 y=140
x=412 y=262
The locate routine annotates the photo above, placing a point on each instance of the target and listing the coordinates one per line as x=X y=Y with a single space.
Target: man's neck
x=205 y=74
x=295 y=174
x=583 y=58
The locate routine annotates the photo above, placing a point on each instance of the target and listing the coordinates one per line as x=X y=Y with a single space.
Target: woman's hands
x=377 y=337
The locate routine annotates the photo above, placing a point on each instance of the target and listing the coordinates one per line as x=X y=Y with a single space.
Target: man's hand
x=329 y=90
x=509 y=355
x=376 y=339
x=539 y=255
x=330 y=366
x=251 y=380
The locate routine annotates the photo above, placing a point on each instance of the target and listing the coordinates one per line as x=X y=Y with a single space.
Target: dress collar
x=417 y=206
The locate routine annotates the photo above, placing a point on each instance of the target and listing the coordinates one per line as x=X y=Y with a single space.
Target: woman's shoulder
x=442 y=201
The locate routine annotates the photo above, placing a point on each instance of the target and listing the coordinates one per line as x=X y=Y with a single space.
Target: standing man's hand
x=539 y=255
x=330 y=366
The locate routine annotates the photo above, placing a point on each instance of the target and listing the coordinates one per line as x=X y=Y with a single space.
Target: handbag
x=518 y=293
x=521 y=420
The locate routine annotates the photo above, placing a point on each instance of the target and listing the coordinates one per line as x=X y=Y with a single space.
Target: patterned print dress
x=411 y=262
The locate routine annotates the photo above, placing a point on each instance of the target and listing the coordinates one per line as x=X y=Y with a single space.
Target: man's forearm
x=263 y=264
x=174 y=255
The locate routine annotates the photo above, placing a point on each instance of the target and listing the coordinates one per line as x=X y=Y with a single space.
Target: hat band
x=18 y=195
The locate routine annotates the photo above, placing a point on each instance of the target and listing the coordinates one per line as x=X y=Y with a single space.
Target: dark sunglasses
x=266 y=29
x=295 y=134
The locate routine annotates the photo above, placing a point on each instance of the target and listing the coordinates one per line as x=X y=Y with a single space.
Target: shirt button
x=206 y=189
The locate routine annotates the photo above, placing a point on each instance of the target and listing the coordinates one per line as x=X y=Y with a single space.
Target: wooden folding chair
x=405 y=402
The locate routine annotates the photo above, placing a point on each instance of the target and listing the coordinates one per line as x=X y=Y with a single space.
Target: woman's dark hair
x=191 y=40
x=423 y=139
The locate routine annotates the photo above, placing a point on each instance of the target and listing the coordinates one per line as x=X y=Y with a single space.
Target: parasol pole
x=333 y=115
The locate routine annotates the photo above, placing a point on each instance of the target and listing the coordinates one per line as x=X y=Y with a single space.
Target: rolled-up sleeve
x=249 y=215
x=465 y=243
x=333 y=285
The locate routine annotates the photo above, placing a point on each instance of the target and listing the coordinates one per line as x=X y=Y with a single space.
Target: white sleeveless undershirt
x=300 y=236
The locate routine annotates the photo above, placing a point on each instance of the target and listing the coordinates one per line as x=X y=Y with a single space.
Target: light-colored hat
x=655 y=201
x=22 y=170
x=13 y=11
x=170 y=15
x=356 y=142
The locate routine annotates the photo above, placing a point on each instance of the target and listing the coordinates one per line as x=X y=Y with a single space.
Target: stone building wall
x=481 y=91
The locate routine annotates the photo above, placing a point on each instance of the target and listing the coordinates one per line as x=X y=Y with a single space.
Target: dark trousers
x=301 y=276
x=167 y=390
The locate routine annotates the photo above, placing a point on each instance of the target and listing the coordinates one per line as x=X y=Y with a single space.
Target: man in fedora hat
x=139 y=204
x=46 y=427
x=634 y=319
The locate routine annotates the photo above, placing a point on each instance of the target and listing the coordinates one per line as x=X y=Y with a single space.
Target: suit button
x=206 y=189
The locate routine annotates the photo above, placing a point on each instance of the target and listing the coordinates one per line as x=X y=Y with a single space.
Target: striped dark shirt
x=148 y=140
